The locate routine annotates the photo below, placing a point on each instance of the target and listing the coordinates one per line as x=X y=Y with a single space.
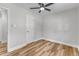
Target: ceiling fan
x=43 y=7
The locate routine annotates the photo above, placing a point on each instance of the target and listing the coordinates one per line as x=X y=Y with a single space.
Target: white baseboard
x=20 y=46
x=61 y=42
x=78 y=49
x=16 y=47
x=4 y=41
x=33 y=41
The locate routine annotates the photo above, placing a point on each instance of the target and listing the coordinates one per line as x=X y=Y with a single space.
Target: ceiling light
x=42 y=8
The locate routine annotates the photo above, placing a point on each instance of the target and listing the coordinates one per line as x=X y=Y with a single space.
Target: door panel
x=29 y=27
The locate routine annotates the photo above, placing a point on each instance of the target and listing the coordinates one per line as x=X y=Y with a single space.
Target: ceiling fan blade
x=39 y=11
x=48 y=4
x=41 y=4
x=35 y=8
x=47 y=9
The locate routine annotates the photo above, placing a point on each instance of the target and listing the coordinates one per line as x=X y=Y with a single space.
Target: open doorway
x=3 y=30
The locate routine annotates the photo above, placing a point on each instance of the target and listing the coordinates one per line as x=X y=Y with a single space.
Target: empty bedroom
x=39 y=29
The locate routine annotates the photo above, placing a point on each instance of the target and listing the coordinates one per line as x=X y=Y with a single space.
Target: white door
x=3 y=25
x=29 y=27
x=0 y=25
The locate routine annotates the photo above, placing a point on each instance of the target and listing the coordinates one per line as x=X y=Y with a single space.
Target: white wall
x=62 y=26
x=33 y=27
x=38 y=28
x=17 y=26
x=78 y=27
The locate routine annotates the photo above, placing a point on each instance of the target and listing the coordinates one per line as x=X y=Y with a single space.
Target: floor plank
x=3 y=48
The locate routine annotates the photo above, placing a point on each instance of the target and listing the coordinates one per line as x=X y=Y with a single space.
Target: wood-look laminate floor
x=45 y=48
x=3 y=48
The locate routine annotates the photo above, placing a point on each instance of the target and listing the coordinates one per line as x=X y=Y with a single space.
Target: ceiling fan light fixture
x=42 y=8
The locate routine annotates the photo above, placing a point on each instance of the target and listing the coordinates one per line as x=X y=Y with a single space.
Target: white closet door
x=29 y=27
x=3 y=25
x=0 y=25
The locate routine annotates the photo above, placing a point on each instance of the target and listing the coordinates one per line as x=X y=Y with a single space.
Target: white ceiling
x=57 y=7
